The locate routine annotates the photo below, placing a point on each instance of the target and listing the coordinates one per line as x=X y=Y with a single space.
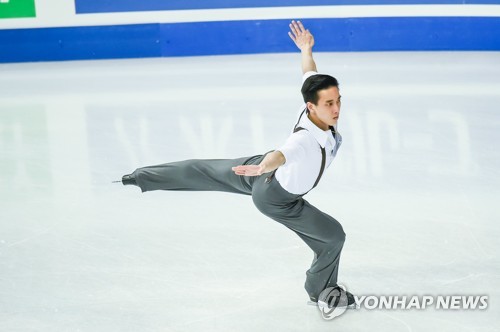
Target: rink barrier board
x=113 y=6
x=249 y=37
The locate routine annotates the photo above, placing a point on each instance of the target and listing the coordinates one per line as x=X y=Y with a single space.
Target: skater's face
x=326 y=112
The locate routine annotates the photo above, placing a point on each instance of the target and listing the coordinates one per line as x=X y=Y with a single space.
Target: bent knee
x=337 y=237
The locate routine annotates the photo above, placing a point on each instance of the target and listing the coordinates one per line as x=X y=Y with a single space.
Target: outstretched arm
x=270 y=162
x=305 y=42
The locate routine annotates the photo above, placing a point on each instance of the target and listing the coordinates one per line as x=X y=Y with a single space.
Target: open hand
x=300 y=36
x=248 y=170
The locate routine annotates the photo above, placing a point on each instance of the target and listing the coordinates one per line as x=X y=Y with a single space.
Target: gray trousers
x=322 y=233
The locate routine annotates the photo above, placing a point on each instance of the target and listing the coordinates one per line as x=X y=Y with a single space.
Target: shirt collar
x=319 y=134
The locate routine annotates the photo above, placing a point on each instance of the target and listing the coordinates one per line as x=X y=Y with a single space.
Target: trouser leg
x=326 y=237
x=197 y=175
x=321 y=232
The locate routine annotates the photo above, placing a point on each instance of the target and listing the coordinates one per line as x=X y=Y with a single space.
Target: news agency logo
x=333 y=302
x=439 y=302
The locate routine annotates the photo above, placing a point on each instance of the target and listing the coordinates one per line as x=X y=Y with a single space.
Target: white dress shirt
x=303 y=153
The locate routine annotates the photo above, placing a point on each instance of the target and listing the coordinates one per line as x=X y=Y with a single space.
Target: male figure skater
x=278 y=180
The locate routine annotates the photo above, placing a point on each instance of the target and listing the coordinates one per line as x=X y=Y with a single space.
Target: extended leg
x=196 y=175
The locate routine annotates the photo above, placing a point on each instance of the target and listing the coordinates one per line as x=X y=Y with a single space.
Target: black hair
x=315 y=83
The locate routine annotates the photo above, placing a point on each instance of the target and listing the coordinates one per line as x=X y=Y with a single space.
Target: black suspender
x=323 y=161
x=300 y=117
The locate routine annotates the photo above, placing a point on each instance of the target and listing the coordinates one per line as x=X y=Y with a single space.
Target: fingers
x=297 y=28
x=293 y=28
x=248 y=170
x=241 y=170
x=301 y=27
x=238 y=170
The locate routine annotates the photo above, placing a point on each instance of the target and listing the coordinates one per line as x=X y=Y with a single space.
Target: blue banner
x=252 y=36
x=110 y=6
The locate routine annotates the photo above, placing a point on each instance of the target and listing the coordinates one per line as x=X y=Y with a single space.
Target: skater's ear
x=310 y=107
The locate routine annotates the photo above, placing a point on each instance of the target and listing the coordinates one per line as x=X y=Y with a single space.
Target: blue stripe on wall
x=243 y=37
x=72 y=43
x=103 y=6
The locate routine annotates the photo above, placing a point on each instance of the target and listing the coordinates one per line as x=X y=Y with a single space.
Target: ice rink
x=415 y=186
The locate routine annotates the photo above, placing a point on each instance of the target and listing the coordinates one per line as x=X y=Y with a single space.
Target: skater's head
x=313 y=84
x=322 y=97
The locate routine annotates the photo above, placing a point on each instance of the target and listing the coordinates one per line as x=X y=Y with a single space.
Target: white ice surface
x=415 y=186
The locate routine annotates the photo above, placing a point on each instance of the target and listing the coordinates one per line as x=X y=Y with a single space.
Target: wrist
x=306 y=49
x=263 y=168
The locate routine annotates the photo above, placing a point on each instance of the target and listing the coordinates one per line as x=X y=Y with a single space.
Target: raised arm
x=305 y=42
